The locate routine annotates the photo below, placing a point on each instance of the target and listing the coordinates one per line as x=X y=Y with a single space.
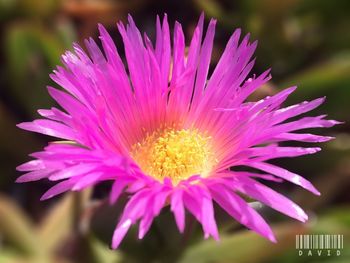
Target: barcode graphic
x=319 y=241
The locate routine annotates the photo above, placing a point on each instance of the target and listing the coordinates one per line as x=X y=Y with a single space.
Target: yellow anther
x=177 y=154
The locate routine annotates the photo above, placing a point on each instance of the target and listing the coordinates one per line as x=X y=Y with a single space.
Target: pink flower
x=166 y=132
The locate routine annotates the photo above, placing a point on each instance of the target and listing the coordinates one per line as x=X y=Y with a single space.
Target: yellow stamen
x=174 y=153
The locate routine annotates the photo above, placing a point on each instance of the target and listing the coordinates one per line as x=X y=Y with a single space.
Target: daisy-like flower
x=167 y=133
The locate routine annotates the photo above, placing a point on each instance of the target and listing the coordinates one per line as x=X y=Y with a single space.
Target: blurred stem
x=77 y=210
x=188 y=232
x=80 y=200
x=158 y=232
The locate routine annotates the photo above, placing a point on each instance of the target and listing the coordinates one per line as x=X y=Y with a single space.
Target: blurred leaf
x=243 y=246
x=331 y=79
x=32 y=52
x=17 y=228
x=12 y=151
x=323 y=76
x=215 y=9
x=7 y=8
x=102 y=253
x=24 y=141
x=8 y=256
x=66 y=32
x=211 y=8
x=57 y=224
x=335 y=221
x=248 y=247
x=39 y=8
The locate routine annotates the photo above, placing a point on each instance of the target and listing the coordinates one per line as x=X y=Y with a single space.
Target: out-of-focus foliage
x=244 y=247
x=52 y=240
x=307 y=43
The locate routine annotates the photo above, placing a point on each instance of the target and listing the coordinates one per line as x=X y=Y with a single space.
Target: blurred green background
x=307 y=43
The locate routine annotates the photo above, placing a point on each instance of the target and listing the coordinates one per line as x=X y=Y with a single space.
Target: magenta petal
x=51 y=128
x=273 y=152
x=72 y=171
x=241 y=211
x=134 y=209
x=285 y=174
x=294 y=110
x=87 y=181
x=193 y=204
x=120 y=232
x=117 y=188
x=31 y=166
x=58 y=189
x=177 y=207
x=145 y=225
x=302 y=137
x=208 y=219
x=203 y=197
x=204 y=62
x=268 y=177
x=157 y=201
x=267 y=196
x=34 y=176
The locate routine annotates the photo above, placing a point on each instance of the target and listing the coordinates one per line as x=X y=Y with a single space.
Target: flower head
x=166 y=132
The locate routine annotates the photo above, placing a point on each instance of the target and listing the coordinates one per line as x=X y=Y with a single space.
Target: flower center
x=177 y=154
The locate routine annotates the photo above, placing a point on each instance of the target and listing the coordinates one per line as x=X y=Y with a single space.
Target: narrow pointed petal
x=177 y=207
x=241 y=211
x=286 y=175
x=267 y=196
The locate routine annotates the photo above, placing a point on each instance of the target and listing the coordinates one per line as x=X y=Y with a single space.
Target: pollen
x=175 y=153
